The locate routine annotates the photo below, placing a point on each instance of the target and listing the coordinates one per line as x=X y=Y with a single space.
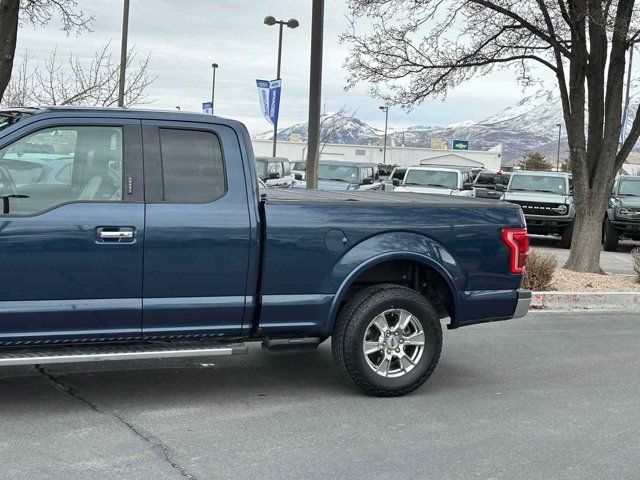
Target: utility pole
x=559 y=125
x=214 y=66
x=315 y=92
x=291 y=23
x=123 y=53
x=385 y=109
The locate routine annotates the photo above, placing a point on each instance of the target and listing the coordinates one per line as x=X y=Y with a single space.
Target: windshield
x=339 y=173
x=492 y=179
x=432 y=178
x=538 y=183
x=630 y=188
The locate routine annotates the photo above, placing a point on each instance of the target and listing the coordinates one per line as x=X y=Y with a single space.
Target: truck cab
x=438 y=180
x=546 y=199
x=623 y=214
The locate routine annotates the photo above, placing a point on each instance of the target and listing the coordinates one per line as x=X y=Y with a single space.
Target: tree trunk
x=591 y=203
x=9 y=15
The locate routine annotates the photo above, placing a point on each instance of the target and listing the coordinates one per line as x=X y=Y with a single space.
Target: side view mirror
x=500 y=188
x=396 y=182
x=274 y=176
x=467 y=186
x=298 y=176
x=367 y=181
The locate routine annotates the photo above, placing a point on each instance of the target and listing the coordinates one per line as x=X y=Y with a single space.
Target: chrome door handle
x=122 y=235
x=115 y=234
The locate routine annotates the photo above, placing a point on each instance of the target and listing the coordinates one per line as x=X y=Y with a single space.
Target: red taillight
x=517 y=239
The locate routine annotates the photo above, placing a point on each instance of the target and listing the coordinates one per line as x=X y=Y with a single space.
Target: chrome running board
x=96 y=353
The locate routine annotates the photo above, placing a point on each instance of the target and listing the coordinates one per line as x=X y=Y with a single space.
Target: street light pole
x=123 y=53
x=214 y=66
x=291 y=23
x=385 y=109
x=315 y=92
x=559 y=125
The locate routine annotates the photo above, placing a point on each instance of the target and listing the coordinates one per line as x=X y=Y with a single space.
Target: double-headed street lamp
x=385 y=109
x=291 y=23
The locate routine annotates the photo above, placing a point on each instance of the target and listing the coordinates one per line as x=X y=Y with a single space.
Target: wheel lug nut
x=398 y=350
x=397 y=334
x=401 y=341
x=388 y=351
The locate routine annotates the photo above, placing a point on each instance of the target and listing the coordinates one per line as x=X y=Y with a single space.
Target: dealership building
x=405 y=156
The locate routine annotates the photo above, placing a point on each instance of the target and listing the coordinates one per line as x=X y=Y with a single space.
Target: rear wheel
x=387 y=340
x=610 y=237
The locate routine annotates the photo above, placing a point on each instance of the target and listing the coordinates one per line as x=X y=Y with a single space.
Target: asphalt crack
x=59 y=384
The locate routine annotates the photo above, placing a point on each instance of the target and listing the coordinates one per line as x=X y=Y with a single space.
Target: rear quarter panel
x=303 y=279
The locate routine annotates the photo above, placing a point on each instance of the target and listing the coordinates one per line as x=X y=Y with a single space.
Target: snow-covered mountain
x=529 y=125
x=336 y=127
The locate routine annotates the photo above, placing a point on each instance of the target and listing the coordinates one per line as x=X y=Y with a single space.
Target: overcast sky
x=184 y=37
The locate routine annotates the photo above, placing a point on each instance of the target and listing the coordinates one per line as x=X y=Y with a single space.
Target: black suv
x=623 y=214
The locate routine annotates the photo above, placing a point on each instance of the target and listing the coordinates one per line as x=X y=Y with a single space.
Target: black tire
x=349 y=334
x=566 y=236
x=610 y=237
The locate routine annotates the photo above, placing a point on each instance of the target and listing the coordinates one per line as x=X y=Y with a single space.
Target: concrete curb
x=572 y=301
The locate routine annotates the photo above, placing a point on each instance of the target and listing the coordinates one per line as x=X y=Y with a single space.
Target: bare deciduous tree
x=74 y=82
x=418 y=48
x=332 y=123
x=16 y=13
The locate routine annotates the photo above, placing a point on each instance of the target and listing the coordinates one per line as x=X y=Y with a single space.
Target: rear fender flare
x=388 y=247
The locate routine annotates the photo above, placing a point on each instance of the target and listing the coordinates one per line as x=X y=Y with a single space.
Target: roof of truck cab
x=116 y=112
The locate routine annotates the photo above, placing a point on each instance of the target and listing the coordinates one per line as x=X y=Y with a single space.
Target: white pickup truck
x=438 y=180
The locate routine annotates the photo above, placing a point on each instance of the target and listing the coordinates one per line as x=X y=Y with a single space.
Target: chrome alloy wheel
x=393 y=343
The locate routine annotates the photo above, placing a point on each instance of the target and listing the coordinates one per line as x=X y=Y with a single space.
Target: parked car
x=187 y=257
x=299 y=170
x=623 y=215
x=546 y=198
x=395 y=178
x=437 y=180
x=341 y=175
x=274 y=171
x=485 y=183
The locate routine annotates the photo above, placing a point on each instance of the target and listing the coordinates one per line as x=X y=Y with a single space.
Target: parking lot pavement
x=548 y=396
x=620 y=262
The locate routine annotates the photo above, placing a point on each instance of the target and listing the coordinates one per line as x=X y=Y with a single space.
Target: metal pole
x=123 y=53
x=386 y=125
x=626 y=102
x=275 y=127
x=213 y=88
x=558 y=159
x=315 y=93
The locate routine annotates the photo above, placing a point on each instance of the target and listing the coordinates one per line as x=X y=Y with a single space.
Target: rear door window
x=192 y=166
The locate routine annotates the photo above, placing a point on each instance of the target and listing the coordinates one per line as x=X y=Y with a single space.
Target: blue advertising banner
x=269 y=98
x=207 y=108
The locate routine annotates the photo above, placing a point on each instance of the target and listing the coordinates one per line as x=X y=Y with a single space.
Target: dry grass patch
x=636 y=261
x=539 y=272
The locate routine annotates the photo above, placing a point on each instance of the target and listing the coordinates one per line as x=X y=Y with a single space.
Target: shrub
x=636 y=261
x=539 y=272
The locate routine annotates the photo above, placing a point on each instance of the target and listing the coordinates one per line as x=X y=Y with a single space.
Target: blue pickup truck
x=160 y=243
